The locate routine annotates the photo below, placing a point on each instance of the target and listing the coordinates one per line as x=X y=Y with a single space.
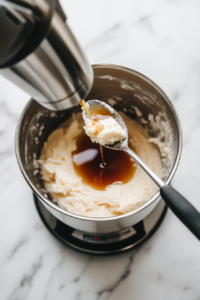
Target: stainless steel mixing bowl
x=127 y=88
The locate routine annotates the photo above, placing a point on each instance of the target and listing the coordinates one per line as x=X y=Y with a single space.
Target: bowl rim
x=113 y=218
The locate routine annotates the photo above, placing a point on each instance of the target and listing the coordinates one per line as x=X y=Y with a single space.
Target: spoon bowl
x=97 y=105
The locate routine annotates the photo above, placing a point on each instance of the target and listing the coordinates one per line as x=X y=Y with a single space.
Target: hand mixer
x=39 y=53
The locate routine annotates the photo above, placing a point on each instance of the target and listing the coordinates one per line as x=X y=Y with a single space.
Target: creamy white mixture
x=104 y=131
x=71 y=194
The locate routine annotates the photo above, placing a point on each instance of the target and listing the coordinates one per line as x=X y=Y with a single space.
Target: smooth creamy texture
x=105 y=131
x=71 y=194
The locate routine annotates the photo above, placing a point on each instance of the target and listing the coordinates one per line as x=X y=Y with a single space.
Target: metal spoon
x=181 y=207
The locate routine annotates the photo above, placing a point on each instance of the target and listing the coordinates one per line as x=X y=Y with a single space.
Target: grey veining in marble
x=160 y=38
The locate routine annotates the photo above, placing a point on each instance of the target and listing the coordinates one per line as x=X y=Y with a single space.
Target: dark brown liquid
x=88 y=165
x=96 y=114
x=100 y=113
x=101 y=151
x=83 y=104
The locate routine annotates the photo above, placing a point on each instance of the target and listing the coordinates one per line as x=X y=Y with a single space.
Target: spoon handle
x=153 y=176
x=183 y=209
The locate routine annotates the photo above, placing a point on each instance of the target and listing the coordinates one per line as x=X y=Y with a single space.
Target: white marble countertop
x=160 y=39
